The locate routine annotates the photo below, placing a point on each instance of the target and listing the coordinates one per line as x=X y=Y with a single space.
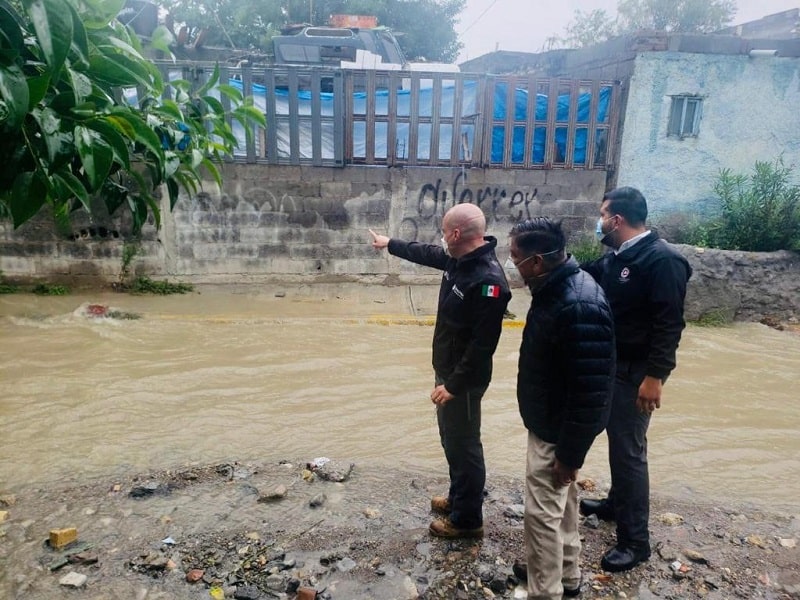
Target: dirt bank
x=250 y=531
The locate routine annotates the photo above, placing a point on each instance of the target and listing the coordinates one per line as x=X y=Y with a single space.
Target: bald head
x=468 y=219
x=463 y=227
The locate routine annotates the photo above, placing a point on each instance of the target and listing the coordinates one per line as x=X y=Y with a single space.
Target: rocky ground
x=283 y=530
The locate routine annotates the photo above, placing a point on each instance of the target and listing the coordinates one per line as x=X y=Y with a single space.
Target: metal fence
x=336 y=117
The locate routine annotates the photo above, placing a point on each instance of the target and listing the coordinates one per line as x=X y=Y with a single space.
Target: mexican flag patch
x=490 y=291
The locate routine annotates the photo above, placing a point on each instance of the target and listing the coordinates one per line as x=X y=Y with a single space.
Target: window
x=684 y=116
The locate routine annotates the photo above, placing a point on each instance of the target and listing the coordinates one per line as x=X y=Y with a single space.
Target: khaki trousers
x=552 y=543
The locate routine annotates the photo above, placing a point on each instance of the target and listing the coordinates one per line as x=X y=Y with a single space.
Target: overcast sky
x=524 y=25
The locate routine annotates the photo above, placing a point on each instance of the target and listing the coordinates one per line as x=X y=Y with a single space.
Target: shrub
x=585 y=248
x=49 y=289
x=760 y=213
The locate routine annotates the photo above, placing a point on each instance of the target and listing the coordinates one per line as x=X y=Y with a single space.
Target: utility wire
x=480 y=16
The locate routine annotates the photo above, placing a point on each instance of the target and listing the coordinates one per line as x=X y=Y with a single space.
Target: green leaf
x=119 y=70
x=69 y=187
x=161 y=39
x=14 y=92
x=96 y=156
x=216 y=105
x=212 y=81
x=108 y=131
x=171 y=164
x=173 y=190
x=80 y=41
x=122 y=126
x=212 y=168
x=28 y=194
x=98 y=13
x=53 y=25
x=169 y=109
x=57 y=142
x=253 y=114
x=125 y=47
x=37 y=89
x=142 y=133
x=81 y=85
x=11 y=40
x=231 y=92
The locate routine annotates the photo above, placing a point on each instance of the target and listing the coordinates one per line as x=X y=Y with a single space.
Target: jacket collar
x=561 y=272
x=643 y=243
x=489 y=246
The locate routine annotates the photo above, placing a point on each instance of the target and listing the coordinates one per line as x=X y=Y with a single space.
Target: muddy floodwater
x=344 y=372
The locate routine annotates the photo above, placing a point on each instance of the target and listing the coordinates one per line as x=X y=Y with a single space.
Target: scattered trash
x=169 y=541
x=60 y=538
x=73 y=579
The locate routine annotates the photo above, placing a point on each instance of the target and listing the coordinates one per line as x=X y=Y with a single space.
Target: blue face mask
x=598 y=232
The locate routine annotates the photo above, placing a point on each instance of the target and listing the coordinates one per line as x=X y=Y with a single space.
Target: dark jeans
x=460 y=432
x=627 y=456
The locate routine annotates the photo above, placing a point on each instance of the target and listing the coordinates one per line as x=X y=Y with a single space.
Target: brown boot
x=444 y=528
x=441 y=505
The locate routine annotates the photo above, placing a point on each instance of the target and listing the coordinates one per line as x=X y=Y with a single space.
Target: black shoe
x=573 y=592
x=520 y=570
x=599 y=507
x=624 y=558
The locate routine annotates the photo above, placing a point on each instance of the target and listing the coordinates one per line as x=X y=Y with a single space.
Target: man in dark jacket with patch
x=644 y=279
x=566 y=365
x=473 y=297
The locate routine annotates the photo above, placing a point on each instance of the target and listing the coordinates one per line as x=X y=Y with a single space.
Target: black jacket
x=566 y=363
x=646 y=286
x=472 y=301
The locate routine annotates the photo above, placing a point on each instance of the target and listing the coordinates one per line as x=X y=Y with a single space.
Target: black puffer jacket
x=566 y=363
x=472 y=301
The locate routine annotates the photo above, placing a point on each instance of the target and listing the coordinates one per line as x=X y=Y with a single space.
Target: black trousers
x=627 y=457
x=460 y=433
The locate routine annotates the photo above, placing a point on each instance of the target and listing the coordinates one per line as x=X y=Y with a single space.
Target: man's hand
x=563 y=475
x=649 y=394
x=379 y=242
x=440 y=395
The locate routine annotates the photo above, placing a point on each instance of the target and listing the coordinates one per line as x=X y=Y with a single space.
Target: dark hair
x=627 y=202
x=540 y=235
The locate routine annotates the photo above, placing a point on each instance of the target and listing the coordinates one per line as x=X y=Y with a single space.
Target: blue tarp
x=446 y=109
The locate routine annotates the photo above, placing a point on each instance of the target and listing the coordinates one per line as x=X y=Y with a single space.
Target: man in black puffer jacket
x=566 y=366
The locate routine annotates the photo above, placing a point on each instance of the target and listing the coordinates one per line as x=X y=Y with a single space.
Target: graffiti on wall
x=498 y=203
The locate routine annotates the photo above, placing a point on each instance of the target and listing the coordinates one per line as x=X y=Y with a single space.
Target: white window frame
x=685 y=128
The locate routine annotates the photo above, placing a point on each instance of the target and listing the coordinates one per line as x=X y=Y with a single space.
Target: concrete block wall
x=296 y=223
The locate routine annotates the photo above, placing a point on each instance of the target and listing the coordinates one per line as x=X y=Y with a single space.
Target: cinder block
x=61 y=537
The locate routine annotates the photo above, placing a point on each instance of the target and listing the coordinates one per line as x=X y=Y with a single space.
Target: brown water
x=234 y=373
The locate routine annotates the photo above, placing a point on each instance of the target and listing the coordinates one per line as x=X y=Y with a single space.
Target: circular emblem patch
x=624 y=273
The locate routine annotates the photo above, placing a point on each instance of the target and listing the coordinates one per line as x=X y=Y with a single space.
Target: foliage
x=5 y=287
x=718 y=317
x=585 y=248
x=684 y=16
x=129 y=251
x=760 y=213
x=145 y=285
x=67 y=135
x=700 y=16
x=588 y=28
x=49 y=289
x=251 y=24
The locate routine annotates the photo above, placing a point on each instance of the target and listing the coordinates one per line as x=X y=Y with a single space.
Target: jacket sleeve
x=475 y=367
x=667 y=293
x=586 y=349
x=428 y=255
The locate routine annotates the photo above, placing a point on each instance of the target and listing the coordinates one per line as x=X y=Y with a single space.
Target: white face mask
x=445 y=247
